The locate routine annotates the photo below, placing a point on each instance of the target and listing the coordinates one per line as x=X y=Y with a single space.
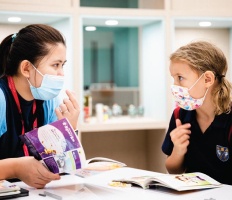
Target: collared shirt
x=209 y=152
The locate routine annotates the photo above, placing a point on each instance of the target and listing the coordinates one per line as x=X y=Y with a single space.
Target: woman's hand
x=32 y=172
x=180 y=138
x=69 y=109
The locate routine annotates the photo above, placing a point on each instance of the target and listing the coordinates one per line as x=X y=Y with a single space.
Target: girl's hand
x=180 y=138
x=32 y=172
x=69 y=109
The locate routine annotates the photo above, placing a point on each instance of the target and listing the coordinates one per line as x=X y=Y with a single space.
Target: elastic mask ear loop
x=29 y=82
x=205 y=94
x=37 y=70
x=195 y=82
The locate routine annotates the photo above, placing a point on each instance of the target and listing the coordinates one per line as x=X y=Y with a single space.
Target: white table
x=96 y=188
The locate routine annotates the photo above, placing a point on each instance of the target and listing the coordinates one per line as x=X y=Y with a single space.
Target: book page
x=97 y=165
x=100 y=159
x=188 y=181
x=142 y=181
x=58 y=146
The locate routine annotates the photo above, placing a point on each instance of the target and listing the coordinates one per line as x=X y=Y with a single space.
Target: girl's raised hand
x=180 y=137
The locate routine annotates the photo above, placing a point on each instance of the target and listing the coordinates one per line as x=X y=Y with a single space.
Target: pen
x=52 y=195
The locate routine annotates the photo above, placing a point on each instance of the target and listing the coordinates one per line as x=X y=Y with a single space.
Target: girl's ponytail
x=222 y=96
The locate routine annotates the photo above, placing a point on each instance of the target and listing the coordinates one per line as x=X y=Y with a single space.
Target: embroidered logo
x=222 y=153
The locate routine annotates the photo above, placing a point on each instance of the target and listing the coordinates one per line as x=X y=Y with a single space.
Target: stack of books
x=10 y=190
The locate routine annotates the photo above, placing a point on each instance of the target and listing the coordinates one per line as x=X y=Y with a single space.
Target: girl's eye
x=180 y=78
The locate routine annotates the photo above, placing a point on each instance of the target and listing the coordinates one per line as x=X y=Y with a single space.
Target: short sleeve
x=49 y=110
x=167 y=144
x=3 y=127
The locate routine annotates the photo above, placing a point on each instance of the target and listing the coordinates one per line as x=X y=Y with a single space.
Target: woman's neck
x=23 y=88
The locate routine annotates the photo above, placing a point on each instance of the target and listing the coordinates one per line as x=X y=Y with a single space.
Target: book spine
x=30 y=147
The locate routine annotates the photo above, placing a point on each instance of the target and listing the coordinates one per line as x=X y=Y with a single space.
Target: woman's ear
x=209 y=78
x=24 y=68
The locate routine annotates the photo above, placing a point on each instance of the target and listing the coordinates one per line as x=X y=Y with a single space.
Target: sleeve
x=3 y=127
x=49 y=110
x=167 y=145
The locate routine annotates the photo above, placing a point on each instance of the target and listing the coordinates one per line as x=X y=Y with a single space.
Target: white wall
x=7 y=29
x=153 y=71
x=220 y=37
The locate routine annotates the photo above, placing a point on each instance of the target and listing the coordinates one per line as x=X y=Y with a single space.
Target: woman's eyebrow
x=60 y=61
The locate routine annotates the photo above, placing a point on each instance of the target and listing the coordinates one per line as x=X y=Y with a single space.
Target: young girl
x=31 y=71
x=199 y=141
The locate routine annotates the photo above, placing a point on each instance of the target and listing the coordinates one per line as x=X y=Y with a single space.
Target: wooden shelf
x=122 y=123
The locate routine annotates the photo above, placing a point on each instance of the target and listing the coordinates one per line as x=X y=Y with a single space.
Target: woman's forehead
x=56 y=53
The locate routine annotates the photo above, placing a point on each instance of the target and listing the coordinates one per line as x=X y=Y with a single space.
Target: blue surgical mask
x=50 y=87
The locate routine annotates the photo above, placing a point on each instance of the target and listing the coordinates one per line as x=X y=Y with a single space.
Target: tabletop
x=97 y=187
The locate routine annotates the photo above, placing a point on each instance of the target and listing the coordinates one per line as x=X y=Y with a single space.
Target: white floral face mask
x=183 y=98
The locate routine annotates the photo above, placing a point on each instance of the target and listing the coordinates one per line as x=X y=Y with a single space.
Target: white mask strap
x=196 y=82
x=37 y=70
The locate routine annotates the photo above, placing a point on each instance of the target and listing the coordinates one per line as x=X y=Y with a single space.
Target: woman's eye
x=56 y=65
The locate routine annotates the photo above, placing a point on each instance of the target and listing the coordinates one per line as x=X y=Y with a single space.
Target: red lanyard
x=16 y=98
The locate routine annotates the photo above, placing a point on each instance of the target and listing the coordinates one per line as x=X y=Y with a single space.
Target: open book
x=180 y=182
x=97 y=165
x=57 y=146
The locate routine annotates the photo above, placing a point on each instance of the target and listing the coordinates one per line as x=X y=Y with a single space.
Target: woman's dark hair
x=31 y=43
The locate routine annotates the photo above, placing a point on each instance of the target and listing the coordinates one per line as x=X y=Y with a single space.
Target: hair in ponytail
x=203 y=56
x=4 y=52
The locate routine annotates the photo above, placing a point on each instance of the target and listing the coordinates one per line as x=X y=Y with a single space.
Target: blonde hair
x=203 y=56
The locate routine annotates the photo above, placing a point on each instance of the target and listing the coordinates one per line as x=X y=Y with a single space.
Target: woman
x=31 y=69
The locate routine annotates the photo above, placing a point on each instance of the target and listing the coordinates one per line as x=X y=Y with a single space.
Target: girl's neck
x=206 y=112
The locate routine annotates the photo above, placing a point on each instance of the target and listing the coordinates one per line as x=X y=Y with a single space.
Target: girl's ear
x=209 y=78
x=24 y=68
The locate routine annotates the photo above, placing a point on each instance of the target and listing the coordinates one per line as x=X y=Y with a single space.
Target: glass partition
x=117 y=61
x=111 y=66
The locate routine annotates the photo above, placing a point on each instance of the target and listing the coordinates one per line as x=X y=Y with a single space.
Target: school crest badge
x=222 y=153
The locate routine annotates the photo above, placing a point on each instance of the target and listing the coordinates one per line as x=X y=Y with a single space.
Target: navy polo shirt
x=208 y=152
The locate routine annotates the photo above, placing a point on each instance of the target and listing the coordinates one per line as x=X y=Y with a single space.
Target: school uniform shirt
x=209 y=152
x=10 y=120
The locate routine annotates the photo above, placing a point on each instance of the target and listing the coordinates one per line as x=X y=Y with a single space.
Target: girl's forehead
x=180 y=68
